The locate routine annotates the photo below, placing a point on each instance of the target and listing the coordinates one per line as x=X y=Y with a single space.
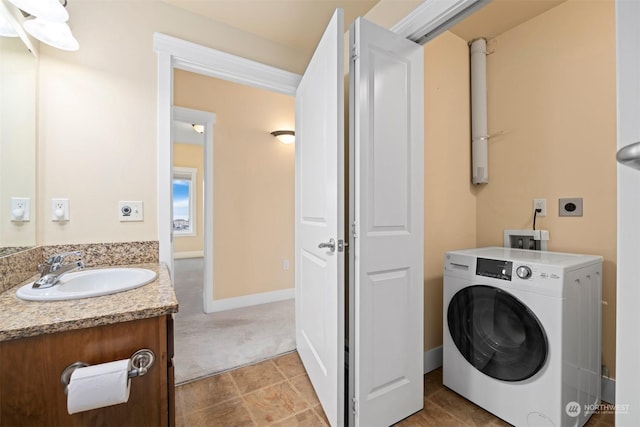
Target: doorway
x=249 y=315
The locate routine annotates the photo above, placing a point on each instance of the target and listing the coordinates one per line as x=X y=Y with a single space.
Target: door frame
x=176 y=53
x=208 y=119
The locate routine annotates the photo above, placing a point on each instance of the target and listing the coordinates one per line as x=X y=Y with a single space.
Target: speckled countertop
x=21 y=319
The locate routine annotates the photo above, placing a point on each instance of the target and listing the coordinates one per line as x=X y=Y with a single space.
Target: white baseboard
x=249 y=300
x=432 y=359
x=608 y=390
x=188 y=254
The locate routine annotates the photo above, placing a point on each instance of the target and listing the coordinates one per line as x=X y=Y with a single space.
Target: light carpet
x=206 y=344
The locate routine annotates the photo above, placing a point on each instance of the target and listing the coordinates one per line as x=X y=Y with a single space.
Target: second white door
x=386 y=214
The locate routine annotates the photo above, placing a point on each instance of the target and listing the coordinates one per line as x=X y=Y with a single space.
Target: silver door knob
x=331 y=244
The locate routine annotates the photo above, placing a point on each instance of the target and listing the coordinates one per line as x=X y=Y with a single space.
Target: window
x=184 y=201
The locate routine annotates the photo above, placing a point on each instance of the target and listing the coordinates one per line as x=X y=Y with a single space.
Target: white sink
x=89 y=283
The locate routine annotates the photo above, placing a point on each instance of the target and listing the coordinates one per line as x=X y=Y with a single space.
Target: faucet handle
x=55 y=261
x=58 y=258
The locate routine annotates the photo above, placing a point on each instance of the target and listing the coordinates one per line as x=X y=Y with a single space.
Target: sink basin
x=89 y=283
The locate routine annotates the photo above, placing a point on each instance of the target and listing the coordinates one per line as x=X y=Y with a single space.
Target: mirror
x=17 y=143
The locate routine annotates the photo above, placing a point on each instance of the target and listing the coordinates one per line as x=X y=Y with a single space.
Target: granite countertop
x=21 y=319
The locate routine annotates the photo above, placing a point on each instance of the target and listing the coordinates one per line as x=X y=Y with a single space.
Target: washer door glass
x=497 y=333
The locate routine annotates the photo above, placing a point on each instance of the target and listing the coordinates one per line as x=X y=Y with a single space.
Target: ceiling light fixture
x=51 y=10
x=285 y=136
x=49 y=22
x=198 y=128
x=56 y=34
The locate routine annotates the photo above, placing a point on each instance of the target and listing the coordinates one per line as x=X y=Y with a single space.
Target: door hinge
x=354 y=229
x=354 y=406
x=354 y=52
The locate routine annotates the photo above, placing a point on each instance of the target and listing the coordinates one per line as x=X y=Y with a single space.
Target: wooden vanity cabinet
x=31 y=393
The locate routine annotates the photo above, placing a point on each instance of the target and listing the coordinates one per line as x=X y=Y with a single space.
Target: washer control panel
x=495 y=268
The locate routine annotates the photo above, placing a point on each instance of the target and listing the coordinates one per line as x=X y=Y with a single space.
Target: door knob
x=331 y=244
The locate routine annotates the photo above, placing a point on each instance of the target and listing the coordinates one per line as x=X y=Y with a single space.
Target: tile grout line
x=310 y=406
x=217 y=403
x=244 y=402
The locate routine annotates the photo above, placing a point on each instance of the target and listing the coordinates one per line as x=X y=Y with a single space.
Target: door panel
x=386 y=181
x=319 y=218
x=628 y=291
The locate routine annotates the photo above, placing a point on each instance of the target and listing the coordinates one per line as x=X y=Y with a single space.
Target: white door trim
x=176 y=53
x=214 y=63
x=207 y=119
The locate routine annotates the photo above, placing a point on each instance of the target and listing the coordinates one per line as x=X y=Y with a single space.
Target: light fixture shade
x=56 y=34
x=198 y=128
x=6 y=29
x=285 y=136
x=51 y=10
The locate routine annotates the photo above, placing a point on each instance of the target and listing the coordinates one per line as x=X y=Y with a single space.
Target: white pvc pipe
x=479 y=133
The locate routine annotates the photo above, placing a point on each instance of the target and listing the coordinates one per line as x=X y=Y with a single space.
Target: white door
x=386 y=214
x=319 y=220
x=628 y=291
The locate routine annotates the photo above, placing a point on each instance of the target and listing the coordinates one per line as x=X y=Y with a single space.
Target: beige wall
x=450 y=202
x=191 y=156
x=18 y=71
x=97 y=113
x=551 y=89
x=253 y=183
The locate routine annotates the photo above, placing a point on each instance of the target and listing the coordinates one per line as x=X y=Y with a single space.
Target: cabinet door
x=30 y=369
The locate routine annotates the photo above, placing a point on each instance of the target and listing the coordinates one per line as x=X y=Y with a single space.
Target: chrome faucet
x=53 y=269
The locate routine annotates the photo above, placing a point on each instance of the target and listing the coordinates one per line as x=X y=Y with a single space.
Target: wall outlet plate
x=59 y=210
x=20 y=209
x=130 y=211
x=540 y=204
x=570 y=206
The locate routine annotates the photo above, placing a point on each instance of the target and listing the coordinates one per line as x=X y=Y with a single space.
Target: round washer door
x=497 y=333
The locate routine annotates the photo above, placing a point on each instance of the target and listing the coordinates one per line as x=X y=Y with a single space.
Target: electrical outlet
x=20 y=209
x=570 y=206
x=285 y=264
x=542 y=205
x=130 y=211
x=59 y=210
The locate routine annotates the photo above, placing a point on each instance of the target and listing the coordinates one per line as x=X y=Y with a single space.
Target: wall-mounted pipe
x=479 y=133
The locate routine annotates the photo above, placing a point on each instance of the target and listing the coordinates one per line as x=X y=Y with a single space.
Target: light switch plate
x=130 y=211
x=20 y=209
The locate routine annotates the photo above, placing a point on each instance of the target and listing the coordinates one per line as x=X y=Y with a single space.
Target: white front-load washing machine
x=522 y=334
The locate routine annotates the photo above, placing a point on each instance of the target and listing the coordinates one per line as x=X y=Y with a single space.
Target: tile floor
x=277 y=392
